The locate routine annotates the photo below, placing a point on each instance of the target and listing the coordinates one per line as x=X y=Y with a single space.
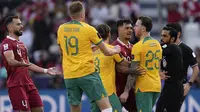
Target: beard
x=18 y=33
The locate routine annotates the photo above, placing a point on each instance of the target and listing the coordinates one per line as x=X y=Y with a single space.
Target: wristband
x=45 y=71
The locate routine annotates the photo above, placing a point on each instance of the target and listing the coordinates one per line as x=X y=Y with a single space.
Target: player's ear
x=172 y=39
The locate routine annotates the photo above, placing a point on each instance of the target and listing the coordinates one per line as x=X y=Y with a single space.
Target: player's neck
x=124 y=40
x=106 y=41
x=77 y=19
x=144 y=35
x=178 y=41
x=13 y=36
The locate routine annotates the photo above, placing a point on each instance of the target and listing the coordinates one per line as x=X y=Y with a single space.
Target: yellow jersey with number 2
x=75 y=39
x=148 y=53
x=105 y=65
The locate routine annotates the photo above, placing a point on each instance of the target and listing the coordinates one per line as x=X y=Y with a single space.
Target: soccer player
x=75 y=39
x=189 y=59
x=147 y=53
x=105 y=65
x=22 y=92
x=172 y=66
x=127 y=97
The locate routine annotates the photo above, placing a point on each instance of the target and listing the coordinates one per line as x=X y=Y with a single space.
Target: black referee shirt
x=172 y=62
x=189 y=59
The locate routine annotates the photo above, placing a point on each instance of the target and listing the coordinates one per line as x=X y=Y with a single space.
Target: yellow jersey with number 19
x=148 y=53
x=75 y=39
x=105 y=65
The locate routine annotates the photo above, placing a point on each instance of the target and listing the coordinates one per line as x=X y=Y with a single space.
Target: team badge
x=5 y=46
x=164 y=62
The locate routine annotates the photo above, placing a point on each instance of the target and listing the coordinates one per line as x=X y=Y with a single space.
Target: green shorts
x=114 y=101
x=91 y=85
x=146 y=100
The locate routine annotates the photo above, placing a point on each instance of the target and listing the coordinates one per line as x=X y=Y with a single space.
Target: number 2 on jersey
x=152 y=60
x=71 y=43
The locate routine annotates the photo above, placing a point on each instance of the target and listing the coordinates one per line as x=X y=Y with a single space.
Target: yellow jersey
x=105 y=65
x=75 y=39
x=148 y=53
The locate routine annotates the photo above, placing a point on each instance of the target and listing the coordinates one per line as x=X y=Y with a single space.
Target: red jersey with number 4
x=120 y=77
x=16 y=75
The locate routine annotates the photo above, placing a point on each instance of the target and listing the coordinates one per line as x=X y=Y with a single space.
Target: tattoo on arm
x=132 y=76
x=130 y=83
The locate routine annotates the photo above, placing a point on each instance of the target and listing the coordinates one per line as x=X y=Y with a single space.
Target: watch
x=190 y=83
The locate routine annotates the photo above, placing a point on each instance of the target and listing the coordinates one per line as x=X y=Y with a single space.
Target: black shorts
x=170 y=98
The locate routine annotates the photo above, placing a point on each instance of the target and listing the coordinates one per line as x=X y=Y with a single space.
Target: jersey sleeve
x=192 y=58
x=94 y=36
x=59 y=33
x=160 y=53
x=118 y=58
x=136 y=52
x=166 y=50
x=7 y=46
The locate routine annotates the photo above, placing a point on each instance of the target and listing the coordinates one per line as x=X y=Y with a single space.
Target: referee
x=189 y=59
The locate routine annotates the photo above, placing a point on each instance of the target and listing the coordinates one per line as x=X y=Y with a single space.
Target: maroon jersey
x=16 y=75
x=122 y=78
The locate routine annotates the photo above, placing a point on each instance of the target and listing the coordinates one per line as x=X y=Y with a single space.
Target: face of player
x=166 y=38
x=83 y=15
x=126 y=31
x=17 y=27
x=138 y=28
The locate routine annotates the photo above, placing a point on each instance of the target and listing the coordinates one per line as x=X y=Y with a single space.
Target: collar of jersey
x=11 y=38
x=179 y=43
x=123 y=43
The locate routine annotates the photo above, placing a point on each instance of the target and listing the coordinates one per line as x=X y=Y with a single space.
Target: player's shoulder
x=115 y=42
x=185 y=47
x=7 y=40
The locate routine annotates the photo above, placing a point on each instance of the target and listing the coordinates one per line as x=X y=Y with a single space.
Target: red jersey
x=16 y=75
x=120 y=77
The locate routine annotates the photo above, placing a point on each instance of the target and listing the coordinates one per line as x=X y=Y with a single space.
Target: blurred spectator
x=173 y=14
x=129 y=9
x=191 y=8
x=27 y=37
x=60 y=7
x=99 y=13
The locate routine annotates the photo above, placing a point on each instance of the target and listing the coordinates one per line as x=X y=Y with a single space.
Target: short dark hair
x=122 y=21
x=75 y=8
x=176 y=26
x=147 y=22
x=172 y=32
x=103 y=30
x=9 y=19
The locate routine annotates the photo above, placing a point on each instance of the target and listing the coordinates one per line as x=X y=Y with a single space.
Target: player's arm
x=96 y=39
x=129 y=83
x=125 y=67
x=10 y=58
x=50 y=71
x=108 y=51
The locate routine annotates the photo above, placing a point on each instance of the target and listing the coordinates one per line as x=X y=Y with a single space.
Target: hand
x=124 y=96
x=163 y=76
x=117 y=49
x=186 y=88
x=52 y=71
x=140 y=71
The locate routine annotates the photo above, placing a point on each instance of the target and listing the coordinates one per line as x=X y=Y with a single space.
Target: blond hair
x=75 y=8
